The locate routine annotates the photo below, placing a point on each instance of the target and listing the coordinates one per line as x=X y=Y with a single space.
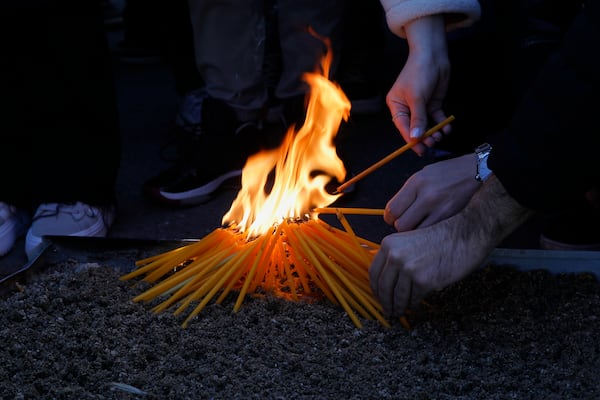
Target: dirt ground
x=74 y=332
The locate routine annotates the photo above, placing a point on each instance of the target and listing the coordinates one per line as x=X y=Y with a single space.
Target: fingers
x=420 y=215
x=401 y=297
x=399 y=203
x=401 y=118
x=418 y=124
x=408 y=208
x=440 y=116
x=411 y=121
x=408 y=222
x=406 y=214
x=375 y=271
x=389 y=283
x=418 y=127
x=383 y=281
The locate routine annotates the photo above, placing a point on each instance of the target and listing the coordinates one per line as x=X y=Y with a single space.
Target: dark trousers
x=58 y=113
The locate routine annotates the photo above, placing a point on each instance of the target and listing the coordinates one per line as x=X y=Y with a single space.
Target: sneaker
x=178 y=186
x=13 y=224
x=209 y=160
x=76 y=219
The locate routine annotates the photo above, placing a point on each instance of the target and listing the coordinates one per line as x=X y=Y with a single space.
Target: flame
x=299 y=169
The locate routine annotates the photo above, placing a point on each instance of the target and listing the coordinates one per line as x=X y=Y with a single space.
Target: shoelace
x=77 y=210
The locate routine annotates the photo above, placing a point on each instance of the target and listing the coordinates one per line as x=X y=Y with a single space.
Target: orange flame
x=303 y=165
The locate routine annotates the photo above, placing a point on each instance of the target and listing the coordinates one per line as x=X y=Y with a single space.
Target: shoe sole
x=33 y=241
x=198 y=195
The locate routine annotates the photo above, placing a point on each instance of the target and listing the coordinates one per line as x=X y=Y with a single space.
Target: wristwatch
x=482 y=152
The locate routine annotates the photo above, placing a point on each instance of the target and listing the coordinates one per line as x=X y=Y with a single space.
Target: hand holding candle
x=393 y=155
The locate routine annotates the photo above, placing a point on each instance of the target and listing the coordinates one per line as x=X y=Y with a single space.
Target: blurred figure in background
x=251 y=56
x=61 y=139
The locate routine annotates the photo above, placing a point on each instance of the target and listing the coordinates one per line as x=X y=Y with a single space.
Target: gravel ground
x=74 y=332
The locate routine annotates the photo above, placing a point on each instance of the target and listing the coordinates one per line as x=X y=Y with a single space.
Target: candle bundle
x=299 y=258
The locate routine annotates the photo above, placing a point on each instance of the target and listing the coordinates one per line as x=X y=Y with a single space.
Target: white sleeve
x=459 y=13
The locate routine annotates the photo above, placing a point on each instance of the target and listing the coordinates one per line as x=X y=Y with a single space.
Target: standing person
x=232 y=41
x=453 y=213
x=61 y=140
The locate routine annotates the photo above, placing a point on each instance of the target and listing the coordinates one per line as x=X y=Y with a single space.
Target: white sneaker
x=77 y=219
x=13 y=224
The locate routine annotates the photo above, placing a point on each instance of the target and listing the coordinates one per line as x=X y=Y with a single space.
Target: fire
x=303 y=165
x=272 y=240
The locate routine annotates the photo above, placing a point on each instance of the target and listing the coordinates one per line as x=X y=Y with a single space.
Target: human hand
x=421 y=86
x=432 y=194
x=410 y=264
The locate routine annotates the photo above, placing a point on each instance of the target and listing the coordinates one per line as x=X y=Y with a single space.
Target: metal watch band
x=482 y=152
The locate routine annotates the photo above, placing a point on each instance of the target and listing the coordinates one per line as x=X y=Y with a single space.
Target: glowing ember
x=303 y=165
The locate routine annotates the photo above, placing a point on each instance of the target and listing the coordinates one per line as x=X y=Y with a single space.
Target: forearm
x=489 y=217
x=427 y=36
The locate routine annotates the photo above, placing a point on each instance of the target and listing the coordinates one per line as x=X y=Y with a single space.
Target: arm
x=548 y=155
x=422 y=84
x=410 y=264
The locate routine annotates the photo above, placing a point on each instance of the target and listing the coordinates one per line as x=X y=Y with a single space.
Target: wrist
x=491 y=215
x=427 y=35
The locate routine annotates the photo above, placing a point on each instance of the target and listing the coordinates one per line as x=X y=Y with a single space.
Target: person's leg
x=229 y=42
x=301 y=50
x=229 y=45
x=15 y=195
x=73 y=121
x=308 y=29
x=65 y=114
x=59 y=102
x=15 y=103
x=179 y=51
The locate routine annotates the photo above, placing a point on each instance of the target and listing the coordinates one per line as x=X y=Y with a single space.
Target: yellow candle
x=349 y=210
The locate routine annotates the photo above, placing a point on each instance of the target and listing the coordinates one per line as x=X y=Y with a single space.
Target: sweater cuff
x=458 y=13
